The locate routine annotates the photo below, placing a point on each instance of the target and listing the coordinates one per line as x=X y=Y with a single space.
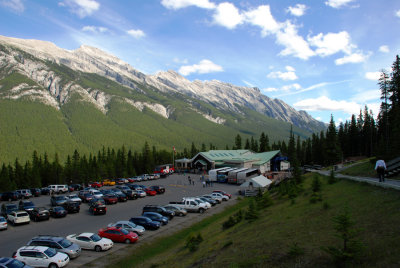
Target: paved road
x=176 y=188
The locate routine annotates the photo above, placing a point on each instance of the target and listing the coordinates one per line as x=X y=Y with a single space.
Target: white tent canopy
x=257 y=182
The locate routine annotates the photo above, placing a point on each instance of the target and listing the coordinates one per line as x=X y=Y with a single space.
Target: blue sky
x=320 y=56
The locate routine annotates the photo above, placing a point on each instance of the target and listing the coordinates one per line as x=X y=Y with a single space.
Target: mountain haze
x=56 y=100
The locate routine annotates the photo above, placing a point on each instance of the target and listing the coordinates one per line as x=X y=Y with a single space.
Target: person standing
x=190 y=180
x=380 y=168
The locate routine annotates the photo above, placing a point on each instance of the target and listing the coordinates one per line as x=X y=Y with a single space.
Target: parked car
x=58 y=200
x=71 y=206
x=178 y=210
x=7 y=209
x=190 y=205
x=25 y=193
x=36 y=192
x=58 y=188
x=131 y=194
x=10 y=196
x=159 y=209
x=39 y=214
x=75 y=187
x=3 y=223
x=58 y=212
x=19 y=217
x=91 y=241
x=60 y=244
x=223 y=193
x=134 y=186
x=41 y=257
x=97 y=208
x=141 y=193
x=110 y=199
x=95 y=184
x=224 y=197
x=147 y=223
x=96 y=193
x=85 y=196
x=216 y=198
x=74 y=198
x=129 y=226
x=118 y=235
x=12 y=263
x=120 y=195
x=108 y=182
x=208 y=200
x=45 y=191
x=26 y=205
x=154 y=216
x=97 y=200
x=158 y=188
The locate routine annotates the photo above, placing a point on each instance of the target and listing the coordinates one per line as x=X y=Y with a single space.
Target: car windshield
x=95 y=237
x=65 y=243
x=131 y=224
x=2 y=219
x=61 y=197
x=50 y=252
x=29 y=203
x=22 y=214
x=58 y=208
x=125 y=232
x=11 y=206
x=14 y=264
x=73 y=196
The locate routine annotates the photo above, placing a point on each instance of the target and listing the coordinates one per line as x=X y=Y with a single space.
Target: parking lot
x=177 y=186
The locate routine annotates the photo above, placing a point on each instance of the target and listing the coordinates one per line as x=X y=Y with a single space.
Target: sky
x=321 y=56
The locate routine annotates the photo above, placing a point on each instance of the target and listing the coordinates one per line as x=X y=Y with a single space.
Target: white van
x=58 y=188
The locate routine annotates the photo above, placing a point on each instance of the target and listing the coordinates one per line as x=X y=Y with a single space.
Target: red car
x=117 y=234
x=110 y=199
x=95 y=184
x=150 y=191
x=223 y=193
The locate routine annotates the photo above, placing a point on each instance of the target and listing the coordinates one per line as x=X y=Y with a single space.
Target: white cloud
x=136 y=33
x=373 y=75
x=262 y=17
x=227 y=15
x=177 y=4
x=290 y=87
x=337 y=3
x=331 y=43
x=289 y=75
x=298 y=10
x=398 y=13
x=177 y=60
x=82 y=8
x=94 y=29
x=204 y=66
x=367 y=95
x=294 y=43
x=352 y=58
x=384 y=49
x=15 y=5
x=323 y=103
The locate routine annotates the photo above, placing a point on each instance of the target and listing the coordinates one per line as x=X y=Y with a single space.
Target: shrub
x=264 y=200
x=326 y=205
x=236 y=218
x=193 y=242
x=332 y=178
x=251 y=213
x=315 y=197
x=295 y=250
x=316 y=184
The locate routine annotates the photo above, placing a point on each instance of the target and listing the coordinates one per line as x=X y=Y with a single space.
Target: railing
x=393 y=167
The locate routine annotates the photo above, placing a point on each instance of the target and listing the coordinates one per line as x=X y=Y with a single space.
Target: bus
x=232 y=175
x=213 y=173
x=247 y=174
x=223 y=174
x=164 y=169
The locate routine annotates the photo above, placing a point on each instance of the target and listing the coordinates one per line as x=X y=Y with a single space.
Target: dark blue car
x=154 y=216
x=147 y=223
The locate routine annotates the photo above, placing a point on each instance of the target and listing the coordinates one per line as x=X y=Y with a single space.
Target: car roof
x=35 y=248
x=86 y=234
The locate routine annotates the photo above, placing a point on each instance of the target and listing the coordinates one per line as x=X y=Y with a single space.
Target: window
x=31 y=254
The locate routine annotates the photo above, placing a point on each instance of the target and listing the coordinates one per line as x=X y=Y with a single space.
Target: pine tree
x=333 y=152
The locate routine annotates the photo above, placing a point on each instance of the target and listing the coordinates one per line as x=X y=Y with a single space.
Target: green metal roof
x=239 y=155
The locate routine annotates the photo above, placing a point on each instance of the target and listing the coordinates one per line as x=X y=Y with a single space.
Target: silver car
x=58 y=243
x=130 y=226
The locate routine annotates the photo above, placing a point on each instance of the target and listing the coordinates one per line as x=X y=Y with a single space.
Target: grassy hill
x=289 y=233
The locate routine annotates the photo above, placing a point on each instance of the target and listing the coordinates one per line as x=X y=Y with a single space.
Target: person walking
x=380 y=168
x=190 y=180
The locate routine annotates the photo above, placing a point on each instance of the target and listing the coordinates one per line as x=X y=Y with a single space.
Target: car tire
x=53 y=265
x=201 y=210
x=181 y=214
x=97 y=248
x=127 y=241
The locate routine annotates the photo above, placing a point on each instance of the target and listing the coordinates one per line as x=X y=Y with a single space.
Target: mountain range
x=57 y=100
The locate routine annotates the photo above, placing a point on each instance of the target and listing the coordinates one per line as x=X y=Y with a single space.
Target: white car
x=74 y=198
x=208 y=205
x=141 y=193
x=38 y=256
x=3 y=223
x=96 y=193
x=19 y=217
x=91 y=241
x=216 y=198
x=129 y=226
x=224 y=197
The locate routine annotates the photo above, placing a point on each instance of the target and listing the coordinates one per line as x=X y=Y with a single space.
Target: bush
x=251 y=213
x=236 y=218
x=326 y=206
x=193 y=242
x=332 y=178
x=264 y=201
x=315 y=197
x=316 y=184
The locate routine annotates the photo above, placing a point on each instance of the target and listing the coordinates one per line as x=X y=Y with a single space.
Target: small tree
x=316 y=184
x=332 y=178
x=251 y=213
x=193 y=242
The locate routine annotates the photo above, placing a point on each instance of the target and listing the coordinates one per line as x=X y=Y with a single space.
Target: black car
x=58 y=200
x=158 y=188
x=154 y=216
x=11 y=196
x=26 y=205
x=58 y=212
x=120 y=195
x=7 y=209
x=147 y=223
x=36 y=192
x=39 y=214
x=159 y=209
x=71 y=206
x=75 y=187
x=97 y=208
x=45 y=191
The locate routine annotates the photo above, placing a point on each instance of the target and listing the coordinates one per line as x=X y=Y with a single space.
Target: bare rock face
x=55 y=92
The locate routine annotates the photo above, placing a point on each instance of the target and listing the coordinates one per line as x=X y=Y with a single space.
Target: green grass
x=363 y=168
x=286 y=227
